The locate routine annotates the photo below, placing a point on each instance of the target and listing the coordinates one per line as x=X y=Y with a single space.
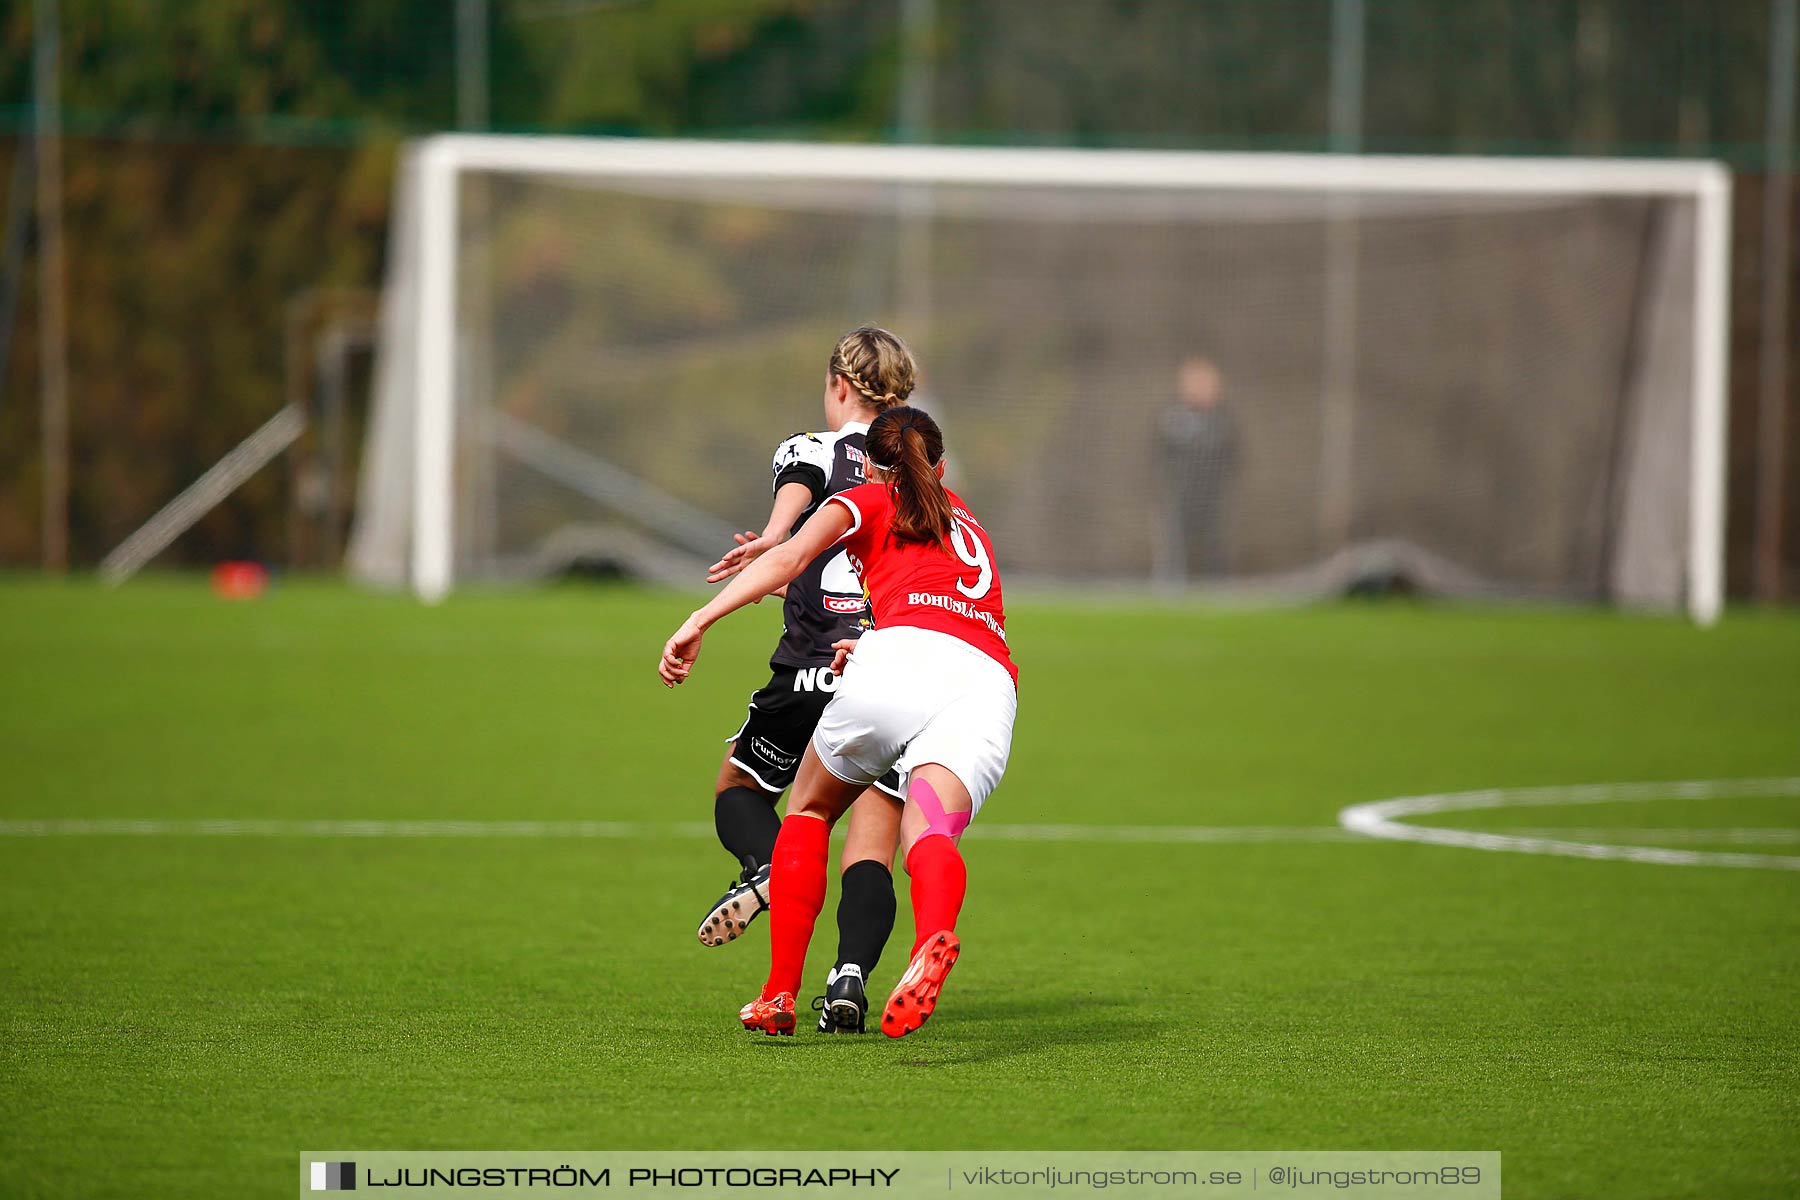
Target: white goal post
x=423 y=337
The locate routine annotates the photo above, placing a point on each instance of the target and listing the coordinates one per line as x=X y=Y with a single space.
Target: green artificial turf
x=183 y=1014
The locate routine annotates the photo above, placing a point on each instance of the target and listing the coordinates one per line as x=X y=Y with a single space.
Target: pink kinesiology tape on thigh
x=936 y=819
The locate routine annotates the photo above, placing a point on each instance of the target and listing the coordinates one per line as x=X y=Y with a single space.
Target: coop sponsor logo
x=844 y=604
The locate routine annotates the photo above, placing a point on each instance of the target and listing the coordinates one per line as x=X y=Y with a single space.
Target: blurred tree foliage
x=227 y=157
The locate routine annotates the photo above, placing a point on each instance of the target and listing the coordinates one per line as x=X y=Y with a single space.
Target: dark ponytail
x=907 y=443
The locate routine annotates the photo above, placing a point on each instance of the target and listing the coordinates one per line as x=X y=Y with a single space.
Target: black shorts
x=782 y=717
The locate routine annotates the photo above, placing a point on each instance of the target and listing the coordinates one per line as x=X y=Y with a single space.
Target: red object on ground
x=239 y=580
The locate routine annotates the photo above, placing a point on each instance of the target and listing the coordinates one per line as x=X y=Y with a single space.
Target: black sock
x=747 y=825
x=865 y=914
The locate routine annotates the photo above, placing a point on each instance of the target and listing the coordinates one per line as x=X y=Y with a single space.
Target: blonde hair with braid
x=877 y=364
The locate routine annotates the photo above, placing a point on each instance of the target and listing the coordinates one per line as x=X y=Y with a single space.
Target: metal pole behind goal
x=203 y=495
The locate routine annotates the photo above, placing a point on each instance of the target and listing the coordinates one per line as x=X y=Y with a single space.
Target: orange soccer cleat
x=773 y=1016
x=916 y=994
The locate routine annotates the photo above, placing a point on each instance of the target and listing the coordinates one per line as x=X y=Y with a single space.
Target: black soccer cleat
x=736 y=908
x=844 y=1005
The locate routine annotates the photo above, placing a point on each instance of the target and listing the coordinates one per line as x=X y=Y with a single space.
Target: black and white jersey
x=826 y=602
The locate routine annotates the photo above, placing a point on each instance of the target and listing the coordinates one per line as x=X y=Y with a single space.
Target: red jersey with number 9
x=954 y=591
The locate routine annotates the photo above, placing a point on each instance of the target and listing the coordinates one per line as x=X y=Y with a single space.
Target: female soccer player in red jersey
x=870 y=369
x=932 y=690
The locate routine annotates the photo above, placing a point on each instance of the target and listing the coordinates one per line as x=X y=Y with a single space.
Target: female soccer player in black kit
x=870 y=370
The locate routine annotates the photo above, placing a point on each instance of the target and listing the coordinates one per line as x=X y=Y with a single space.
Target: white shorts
x=911 y=696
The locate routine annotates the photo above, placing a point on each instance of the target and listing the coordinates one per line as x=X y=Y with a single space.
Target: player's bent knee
x=733 y=776
x=818 y=807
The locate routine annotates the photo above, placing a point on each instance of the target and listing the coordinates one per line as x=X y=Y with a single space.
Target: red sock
x=939 y=879
x=796 y=894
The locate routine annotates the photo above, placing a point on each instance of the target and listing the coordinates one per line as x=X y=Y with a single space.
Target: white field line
x=1161 y=833
x=258 y=828
x=636 y=830
x=1382 y=819
x=1677 y=835
x=1379 y=819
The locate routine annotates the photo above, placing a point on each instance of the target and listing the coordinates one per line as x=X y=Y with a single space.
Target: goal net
x=1270 y=375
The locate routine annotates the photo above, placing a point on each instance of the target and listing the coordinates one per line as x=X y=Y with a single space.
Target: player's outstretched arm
x=775 y=569
x=790 y=502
